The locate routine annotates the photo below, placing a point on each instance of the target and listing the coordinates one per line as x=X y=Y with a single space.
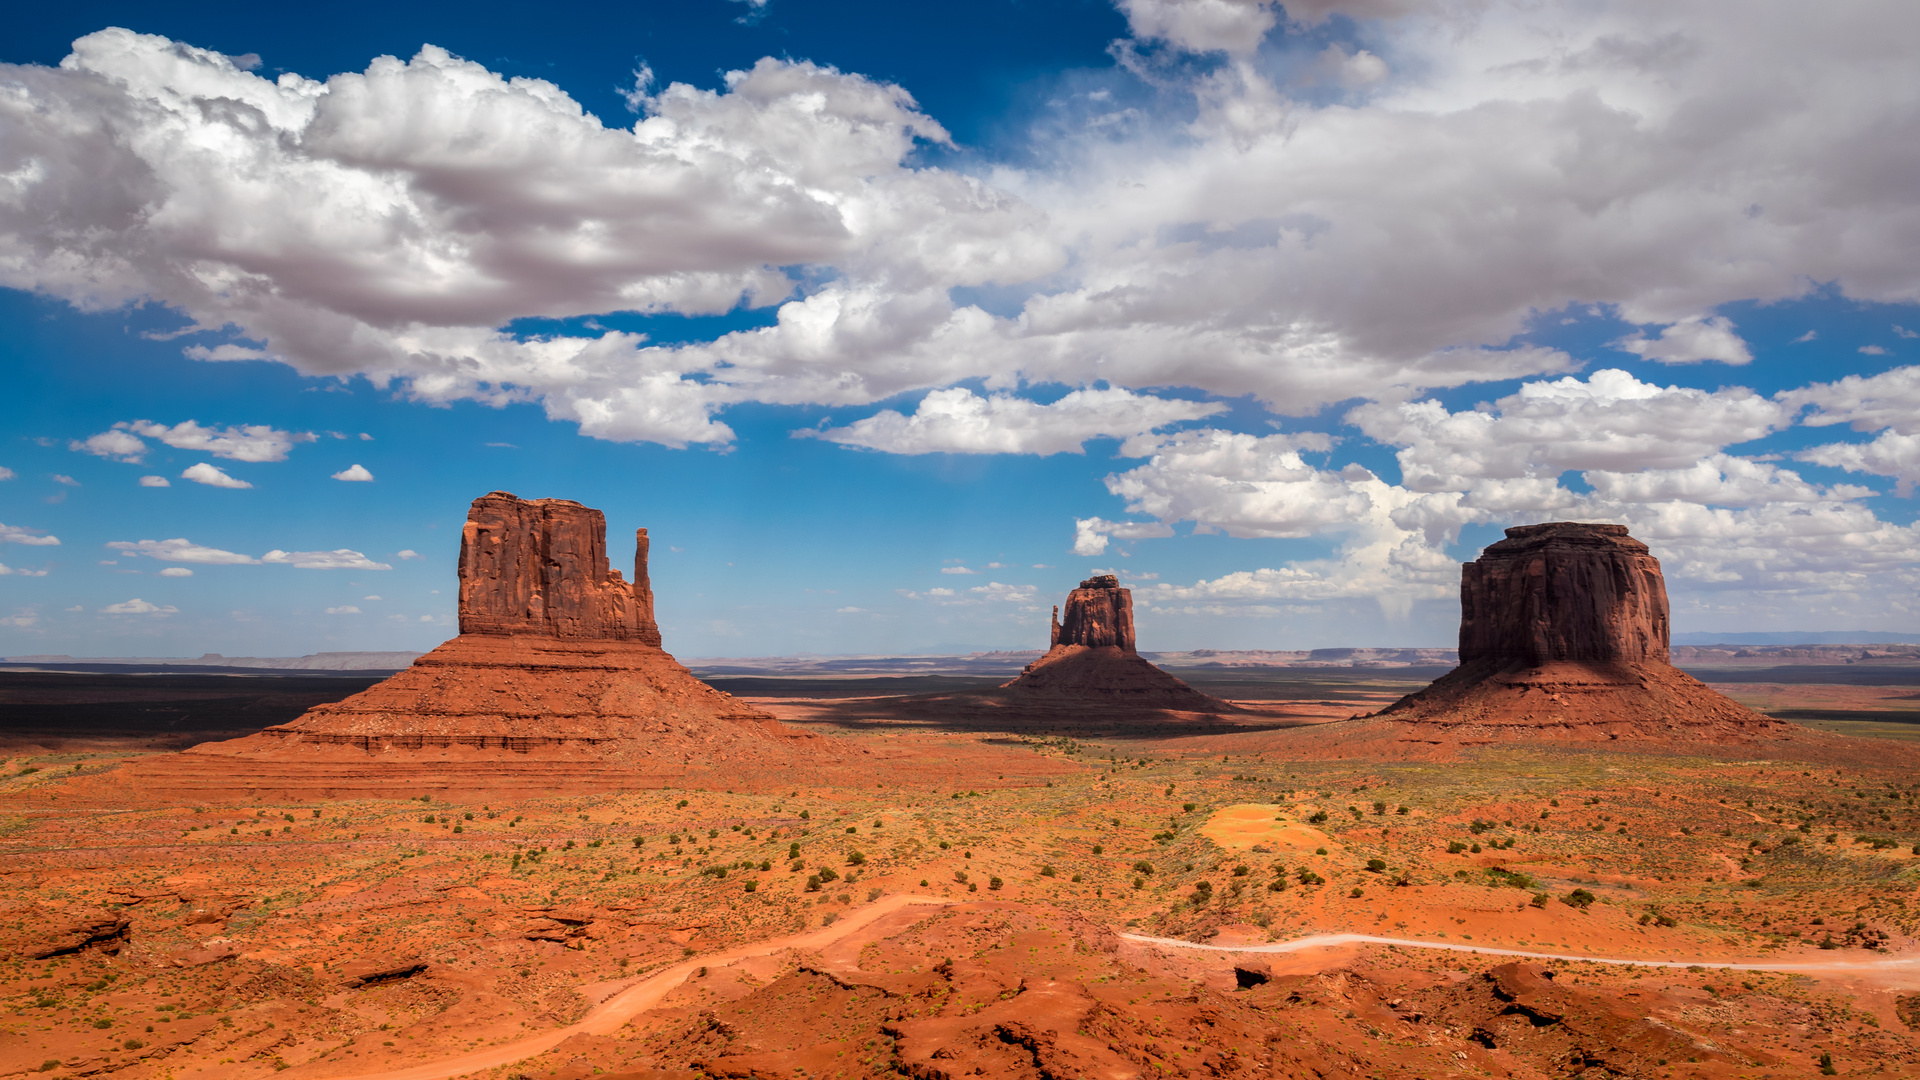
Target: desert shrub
x=1099 y=849
x=1510 y=878
x=1540 y=899
x=132 y=1044
x=1319 y=818
x=1074 y=878
x=1242 y=870
x=1455 y=847
x=1579 y=898
x=1404 y=810
x=1139 y=883
x=813 y=882
x=994 y=883
x=1356 y=893
x=1376 y=865
x=1277 y=885
x=1202 y=893
x=1143 y=867
x=1379 y=807
x=1319 y=851
x=827 y=874
x=751 y=886
x=856 y=858
x=960 y=876
x=1475 y=849
x=1046 y=870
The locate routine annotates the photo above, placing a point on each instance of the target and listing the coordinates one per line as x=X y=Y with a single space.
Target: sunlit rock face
x=539 y=566
x=1099 y=613
x=1564 y=591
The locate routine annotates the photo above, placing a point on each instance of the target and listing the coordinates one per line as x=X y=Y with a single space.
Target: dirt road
x=608 y=1017
x=1903 y=968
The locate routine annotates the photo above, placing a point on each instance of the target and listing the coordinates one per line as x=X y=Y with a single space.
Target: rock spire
x=1099 y=613
x=539 y=566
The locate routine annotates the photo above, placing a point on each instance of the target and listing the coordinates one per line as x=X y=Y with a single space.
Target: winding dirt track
x=1893 y=965
x=608 y=1017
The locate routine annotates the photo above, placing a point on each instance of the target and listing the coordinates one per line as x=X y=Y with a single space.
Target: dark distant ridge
x=1798 y=637
x=356 y=662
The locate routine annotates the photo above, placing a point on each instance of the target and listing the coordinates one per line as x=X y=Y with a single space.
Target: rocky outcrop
x=1099 y=613
x=540 y=567
x=1564 y=591
x=558 y=654
x=1564 y=636
x=1093 y=663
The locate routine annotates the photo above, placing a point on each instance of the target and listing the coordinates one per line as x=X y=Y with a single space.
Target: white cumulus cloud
x=115 y=444
x=212 y=476
x=344 y=609
x=337 y=559
x=1090 y=535
x=8 y=571
x=1691 y=341
x=137 y=606
x=245 y=442
x=354 y=472
x=958 y=421
x=181 y=550
x=14 y=534
x=155 y=482
x=176 y=571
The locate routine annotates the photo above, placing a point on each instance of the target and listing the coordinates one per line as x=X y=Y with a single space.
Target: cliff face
x=1099 y=613
x=1564 y=591
x=539 y=566
x=1563 y=635
x=556 y=653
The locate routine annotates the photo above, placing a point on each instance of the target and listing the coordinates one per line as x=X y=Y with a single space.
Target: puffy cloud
x=1231 y=26
x=1090 y=535
x=181 y=550
x=337 y=559
x=137 y=606
x=1609 y=422
x=8 y=571
x=1890 y=399
x=6 y=473
x=957 y=570
x=1690 y=341
x=1241 y=484
x=212 y=476
x=344 y=609
x=247 y=442
x=21 y=619
x=155 y=481
x=406 y=553
x=993 y=592
x=64 y=480
x=114 y=444
x=14 y=534
x=1720 y=480
x=958 y=421
x=355 y=472
x=176 y=571
x=1891 y=454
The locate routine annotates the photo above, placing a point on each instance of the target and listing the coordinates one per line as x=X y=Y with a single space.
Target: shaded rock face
x=1564 y=591
x=1099 y=613
x=1563 y=636
x=539 y=566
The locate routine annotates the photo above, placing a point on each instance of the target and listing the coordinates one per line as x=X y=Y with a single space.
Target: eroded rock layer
x=1563 y=635
x=1093 y=662
x=558 y=658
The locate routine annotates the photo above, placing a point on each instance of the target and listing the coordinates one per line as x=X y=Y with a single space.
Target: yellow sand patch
x=1239 y=827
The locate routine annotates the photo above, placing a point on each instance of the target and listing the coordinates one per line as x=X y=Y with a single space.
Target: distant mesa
x=1564 y=635
x=1092 y=660
x=558 y=657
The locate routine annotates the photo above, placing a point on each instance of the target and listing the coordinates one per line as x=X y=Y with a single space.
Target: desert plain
x=548 y=850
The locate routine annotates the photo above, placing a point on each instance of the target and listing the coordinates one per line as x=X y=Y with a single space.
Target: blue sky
x=891 y=322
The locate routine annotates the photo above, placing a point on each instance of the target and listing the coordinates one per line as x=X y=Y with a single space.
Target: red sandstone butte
x=1092 y=660
x=558 y=657
x=1563 y=635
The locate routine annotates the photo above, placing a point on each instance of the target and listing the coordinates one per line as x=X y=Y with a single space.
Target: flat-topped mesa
x=1099 y=613
x=1564 y=591
x=1563 y=636
x=539 y=567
